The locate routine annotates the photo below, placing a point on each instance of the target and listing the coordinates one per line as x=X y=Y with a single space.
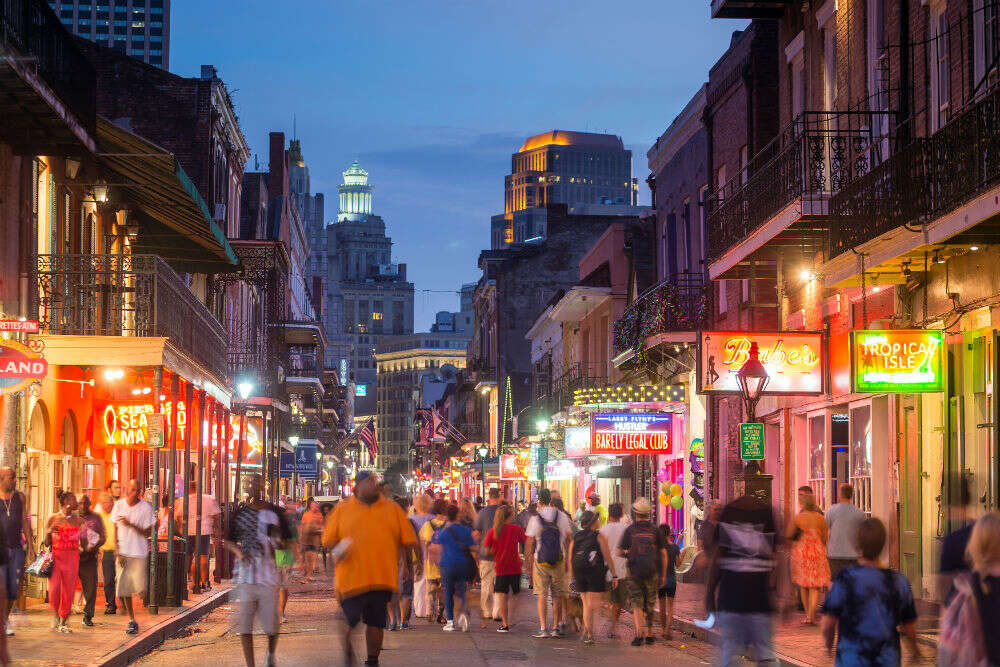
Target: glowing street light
x=245 y=388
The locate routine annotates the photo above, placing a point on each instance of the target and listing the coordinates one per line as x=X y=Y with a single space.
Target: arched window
x=68 y=437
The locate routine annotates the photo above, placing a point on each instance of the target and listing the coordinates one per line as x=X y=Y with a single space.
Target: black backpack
x=643 y=554
x=549 y=542
x=587 y=558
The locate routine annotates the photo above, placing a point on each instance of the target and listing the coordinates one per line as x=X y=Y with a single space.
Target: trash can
x=180 y=573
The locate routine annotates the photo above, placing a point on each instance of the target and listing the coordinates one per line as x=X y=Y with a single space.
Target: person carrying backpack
x=548 y=535
x=968 y=626
x=645 y=552
x=590 y=559
x=432 y=573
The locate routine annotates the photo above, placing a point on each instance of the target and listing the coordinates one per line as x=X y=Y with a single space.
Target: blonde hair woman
x=810 y=567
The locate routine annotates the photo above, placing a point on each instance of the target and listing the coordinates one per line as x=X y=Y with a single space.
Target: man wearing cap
x=367 y=532
x=645 y=553
x=595 y=506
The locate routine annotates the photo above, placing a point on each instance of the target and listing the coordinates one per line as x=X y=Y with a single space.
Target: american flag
x=367 y=436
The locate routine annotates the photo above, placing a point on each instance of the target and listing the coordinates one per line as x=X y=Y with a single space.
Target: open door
x=910 y=533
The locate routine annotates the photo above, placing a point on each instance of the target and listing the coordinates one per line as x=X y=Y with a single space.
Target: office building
x=139 y=28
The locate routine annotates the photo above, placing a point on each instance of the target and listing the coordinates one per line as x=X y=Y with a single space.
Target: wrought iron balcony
x=126 y=295
x=680 y=303
x=802 y=167
x=926 y=178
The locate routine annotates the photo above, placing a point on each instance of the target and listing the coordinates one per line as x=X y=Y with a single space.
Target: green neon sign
x=897 y=361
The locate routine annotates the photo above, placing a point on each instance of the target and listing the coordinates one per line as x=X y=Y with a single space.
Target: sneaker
x=110 y=611
x=463 y=623
x=504 y=629
x=449 y=626
x=588 y=639
x=88 y=622
x=558 y=633
x=541 y=634
x=650 y=640
x=270 y=660
x=404 y=626
x=10 y=631
x=132 y=629
x=707 y=624
x=392 y=627
x=64 y=629
x=637 y=641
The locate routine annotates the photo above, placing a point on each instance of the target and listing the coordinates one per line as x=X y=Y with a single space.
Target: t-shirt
x=550 y=514
x=505 y=549
x=843 y=520
x=131 y=542
x=418 y=521
x=869 y=603
x=483 y=523
x=209 y=510
x=613 y=532
x=602 y=513
x=311 y=527
x=377 y=531
x=744 y=538
x=110 y=529
x=953 y=550
x=256 y=531
x=673 y=553
x=454 y=540
x=643 y=526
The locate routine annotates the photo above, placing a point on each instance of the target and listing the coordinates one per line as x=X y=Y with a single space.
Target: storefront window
x=861 y=456
x=817 y=448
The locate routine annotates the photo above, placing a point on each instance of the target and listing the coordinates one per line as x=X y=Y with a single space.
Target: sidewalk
x=105 y=644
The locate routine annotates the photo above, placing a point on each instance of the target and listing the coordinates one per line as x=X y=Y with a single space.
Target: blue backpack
x=549 y=542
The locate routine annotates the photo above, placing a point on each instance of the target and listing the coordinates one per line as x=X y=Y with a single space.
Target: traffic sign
x=752 y=441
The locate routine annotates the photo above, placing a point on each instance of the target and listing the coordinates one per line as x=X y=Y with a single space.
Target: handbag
x=42 y=565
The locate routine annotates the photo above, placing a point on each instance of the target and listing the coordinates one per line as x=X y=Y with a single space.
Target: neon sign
x=897 y=361
x=20 y=365
x=127 y=424
x=253 y=445
x=631 y=433
x=793 y=359
x=514 y=467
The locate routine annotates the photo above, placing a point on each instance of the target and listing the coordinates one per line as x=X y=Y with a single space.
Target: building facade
x=138 y=28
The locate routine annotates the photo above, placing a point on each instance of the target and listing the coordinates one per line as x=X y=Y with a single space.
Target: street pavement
x=310 y=638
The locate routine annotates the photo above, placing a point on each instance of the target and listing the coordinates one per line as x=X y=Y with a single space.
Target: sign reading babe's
x=630 y=433
x=793 y=359
x=897 y=361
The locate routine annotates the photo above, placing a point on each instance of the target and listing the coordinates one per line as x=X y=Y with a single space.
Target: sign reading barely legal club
x=630 y=433
x=897 y=361
x=793 y=359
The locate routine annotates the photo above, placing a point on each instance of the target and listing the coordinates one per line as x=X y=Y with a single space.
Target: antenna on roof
x=294 y=127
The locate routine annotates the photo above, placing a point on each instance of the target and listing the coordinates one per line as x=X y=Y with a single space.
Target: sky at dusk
x=433 y=97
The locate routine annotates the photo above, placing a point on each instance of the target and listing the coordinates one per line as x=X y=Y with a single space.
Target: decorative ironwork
x=680 y=303
x=126 y=295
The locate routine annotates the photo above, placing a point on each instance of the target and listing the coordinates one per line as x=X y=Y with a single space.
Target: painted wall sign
x=20 y=365
x=897 y=361
x=793 y=359
x=126 y=423
x=630 y=433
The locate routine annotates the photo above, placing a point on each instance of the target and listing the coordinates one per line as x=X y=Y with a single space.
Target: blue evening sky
x=434 y=96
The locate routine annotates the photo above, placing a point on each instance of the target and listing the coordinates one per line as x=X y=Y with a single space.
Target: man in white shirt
x=613 y=531
x=134 y=519
x=843 y=519
x=549 y=533
x=199 y=544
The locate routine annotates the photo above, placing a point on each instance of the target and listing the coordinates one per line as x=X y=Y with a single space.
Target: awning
x=181 y=229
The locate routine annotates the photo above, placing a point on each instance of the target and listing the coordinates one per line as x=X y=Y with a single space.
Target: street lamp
x=245 y=388
x=753 y=379
x=483 y=451
x=543 y=425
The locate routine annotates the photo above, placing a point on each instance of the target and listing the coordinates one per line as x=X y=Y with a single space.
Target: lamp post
x=483 y=451
x=753 y=379
x=293 y=440
x=245 y=388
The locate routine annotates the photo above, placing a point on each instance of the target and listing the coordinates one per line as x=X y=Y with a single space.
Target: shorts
x=369 y=608
x=668 y=591
x=12 y=570
x=258 y=601
x=405 y=586
x=507 y=584
x=284 y=576
x=619 y=595
x=589 y=581
x=131 y=575
x=551 y=578
x=642 y=594
x=204 y=544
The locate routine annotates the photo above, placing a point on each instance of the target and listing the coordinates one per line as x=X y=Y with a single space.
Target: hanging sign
x=752 y=441
x=514 y=467
x=305 y=460
x=577 y=441
x=20 y=365
x=793 y=359
x=286 y=464
x=19 y=326
x=127 y=423
x=897 y=361
x=253 y=446
x=630 y=433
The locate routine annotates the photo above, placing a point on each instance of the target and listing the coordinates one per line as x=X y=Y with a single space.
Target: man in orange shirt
x=367 y=532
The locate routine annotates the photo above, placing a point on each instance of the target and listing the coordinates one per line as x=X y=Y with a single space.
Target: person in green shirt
x=595 y=506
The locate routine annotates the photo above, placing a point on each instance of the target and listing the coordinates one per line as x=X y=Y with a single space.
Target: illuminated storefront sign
x=577 y=441
x=19 y=326
x=253 y=445
x=514 y=467
x=793 y=359
x=126 y=424
x=626 y=393
x=897 y=361
x=631 y=433
x=360 y=390
x=560 y=469
x=20 y=365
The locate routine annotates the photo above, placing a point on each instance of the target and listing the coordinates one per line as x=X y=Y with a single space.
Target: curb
x=160 y=632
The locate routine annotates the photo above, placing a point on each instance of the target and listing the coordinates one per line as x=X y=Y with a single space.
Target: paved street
x=309 y=638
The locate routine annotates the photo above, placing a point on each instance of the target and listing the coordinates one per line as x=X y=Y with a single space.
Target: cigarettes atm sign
x=897 y=361
x=630 y=433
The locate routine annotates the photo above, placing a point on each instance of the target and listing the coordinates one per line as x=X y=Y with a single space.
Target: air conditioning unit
x=220 y=211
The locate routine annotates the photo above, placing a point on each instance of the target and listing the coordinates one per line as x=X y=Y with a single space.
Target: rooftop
x=570 y=138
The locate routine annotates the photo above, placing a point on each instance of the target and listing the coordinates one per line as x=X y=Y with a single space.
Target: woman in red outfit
x=503 y=540
x=810 y=567
x=63 y=534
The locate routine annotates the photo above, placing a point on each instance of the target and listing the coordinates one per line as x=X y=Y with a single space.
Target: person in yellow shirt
x=367 y=532
x=435 y=596
x=105 y=503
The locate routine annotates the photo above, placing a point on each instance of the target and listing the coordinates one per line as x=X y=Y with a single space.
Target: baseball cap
x=363 y=475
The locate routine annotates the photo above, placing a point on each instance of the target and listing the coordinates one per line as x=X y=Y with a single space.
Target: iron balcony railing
x=34 y=31
x=679 y=303
x=126 y=295
x=814 y=157
x=923 y=180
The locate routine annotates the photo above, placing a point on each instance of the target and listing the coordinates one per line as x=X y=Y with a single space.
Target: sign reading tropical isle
x=793 y=359
x=19 y=366
x=897 y=361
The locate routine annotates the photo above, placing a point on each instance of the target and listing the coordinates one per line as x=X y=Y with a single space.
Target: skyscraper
x=591 y=173
x=140 y=28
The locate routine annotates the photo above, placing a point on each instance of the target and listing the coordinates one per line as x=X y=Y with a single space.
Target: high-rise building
x=310 y=206
x=139 y=28
x=460 y=320
x=590 y=173
x=364 y=295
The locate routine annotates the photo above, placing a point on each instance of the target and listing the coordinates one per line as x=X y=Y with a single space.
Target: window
x=703 y=223
x=155 y=60
x=723 y=297
x=829 y=65
x=156 y=38
x=941 y=68
x=720 y=177
x=744 y=164
x=877 y=56
x=985 y=37
x=798 y=71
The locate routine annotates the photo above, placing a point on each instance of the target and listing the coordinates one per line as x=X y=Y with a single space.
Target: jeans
x=749 y=632
x=453 y=579
x=12 y=571
x=108 y=570
x=88 y=583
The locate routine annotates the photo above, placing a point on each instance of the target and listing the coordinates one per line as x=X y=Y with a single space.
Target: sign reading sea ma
x=305 y=460
x=630 y=433
x=897 y=361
